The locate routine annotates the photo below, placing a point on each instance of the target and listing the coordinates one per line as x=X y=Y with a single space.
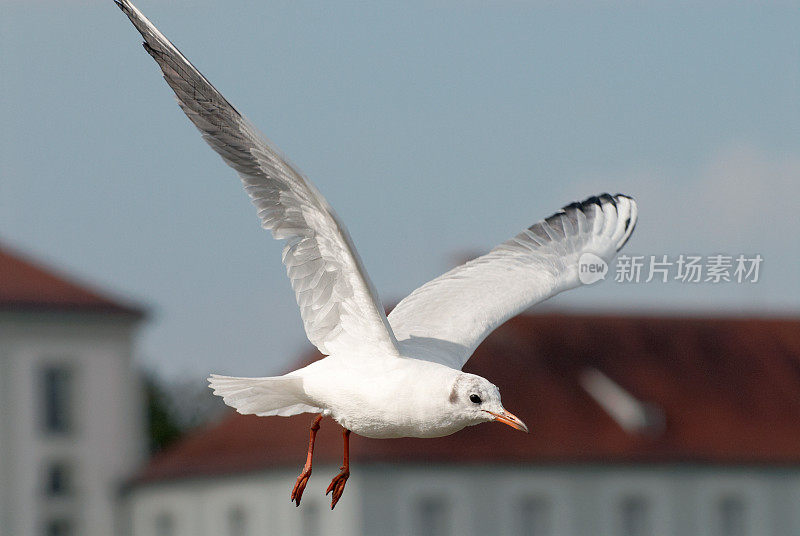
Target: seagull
x=382 y=376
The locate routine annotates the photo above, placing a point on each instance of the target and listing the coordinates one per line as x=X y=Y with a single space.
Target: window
x=433 y=517
x=732 y=515
x=634 y=516
x=533 y=516
x=57 y=399
x=310 y=518
x=237 y=522
x=164 y=524
x=58 y=479
x=59 y=527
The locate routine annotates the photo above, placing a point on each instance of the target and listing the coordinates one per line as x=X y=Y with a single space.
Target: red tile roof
x=27 y=286
x=728 y=390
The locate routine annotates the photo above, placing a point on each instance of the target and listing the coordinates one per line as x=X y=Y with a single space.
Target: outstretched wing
x=339 y=306
x=447 y=318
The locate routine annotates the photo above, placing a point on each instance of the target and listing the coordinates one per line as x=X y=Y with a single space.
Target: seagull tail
x=277 y=395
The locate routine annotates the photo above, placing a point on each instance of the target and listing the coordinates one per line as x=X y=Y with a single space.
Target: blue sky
x=434 y=129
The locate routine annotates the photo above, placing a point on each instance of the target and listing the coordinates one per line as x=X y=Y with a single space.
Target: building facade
x=640 y=426
x=507 y=500
x=71 y=429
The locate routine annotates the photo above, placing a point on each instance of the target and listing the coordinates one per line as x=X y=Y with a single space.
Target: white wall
x=585 y=500
x=382 y=500
x=201 y=507
x=106 y=443
x=5 y=445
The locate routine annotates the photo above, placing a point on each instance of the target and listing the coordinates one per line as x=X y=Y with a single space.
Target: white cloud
x=753 y=192
x=742 y=199
x=742 y=196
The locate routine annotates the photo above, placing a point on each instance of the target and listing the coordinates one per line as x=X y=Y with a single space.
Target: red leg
x=302 y=480
x=338 y=482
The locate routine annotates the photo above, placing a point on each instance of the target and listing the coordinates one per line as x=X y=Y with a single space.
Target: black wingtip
x=125 y=8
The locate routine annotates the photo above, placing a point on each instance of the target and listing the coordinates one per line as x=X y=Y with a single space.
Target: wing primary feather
x=320 y=256
x=445 y=319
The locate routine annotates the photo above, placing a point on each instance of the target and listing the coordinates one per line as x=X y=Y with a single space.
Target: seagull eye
x=475 y=398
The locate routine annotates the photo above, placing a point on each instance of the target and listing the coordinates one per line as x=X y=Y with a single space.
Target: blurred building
x=639 y=426
x=70 y=426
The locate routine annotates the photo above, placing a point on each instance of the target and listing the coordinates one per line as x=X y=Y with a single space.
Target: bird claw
x=337 y=486
x=300 y=486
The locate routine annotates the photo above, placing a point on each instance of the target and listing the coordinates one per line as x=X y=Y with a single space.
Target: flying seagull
x=394 y=376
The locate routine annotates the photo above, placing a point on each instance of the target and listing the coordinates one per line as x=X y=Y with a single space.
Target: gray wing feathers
x=445 y=319
x=338 y=304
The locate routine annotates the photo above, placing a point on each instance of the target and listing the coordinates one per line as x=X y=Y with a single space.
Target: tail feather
x=277 y=395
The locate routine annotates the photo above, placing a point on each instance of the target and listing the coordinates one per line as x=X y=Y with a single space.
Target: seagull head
x=477 y=400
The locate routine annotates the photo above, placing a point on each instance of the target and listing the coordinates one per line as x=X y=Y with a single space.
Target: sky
x=435 y=129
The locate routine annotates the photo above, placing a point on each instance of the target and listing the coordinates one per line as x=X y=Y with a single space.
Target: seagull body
x=395 y=396
x=383 y=377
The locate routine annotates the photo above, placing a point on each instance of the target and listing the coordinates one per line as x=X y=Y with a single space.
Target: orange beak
x=510 y=419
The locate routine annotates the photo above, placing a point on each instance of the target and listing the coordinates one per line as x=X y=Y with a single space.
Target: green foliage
x=163 y=427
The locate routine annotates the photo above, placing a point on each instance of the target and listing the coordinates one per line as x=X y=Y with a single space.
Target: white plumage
x=383 y=377
x=378 y=394
x=447 y=318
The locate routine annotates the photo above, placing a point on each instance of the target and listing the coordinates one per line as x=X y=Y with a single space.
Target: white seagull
x=392 y=376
